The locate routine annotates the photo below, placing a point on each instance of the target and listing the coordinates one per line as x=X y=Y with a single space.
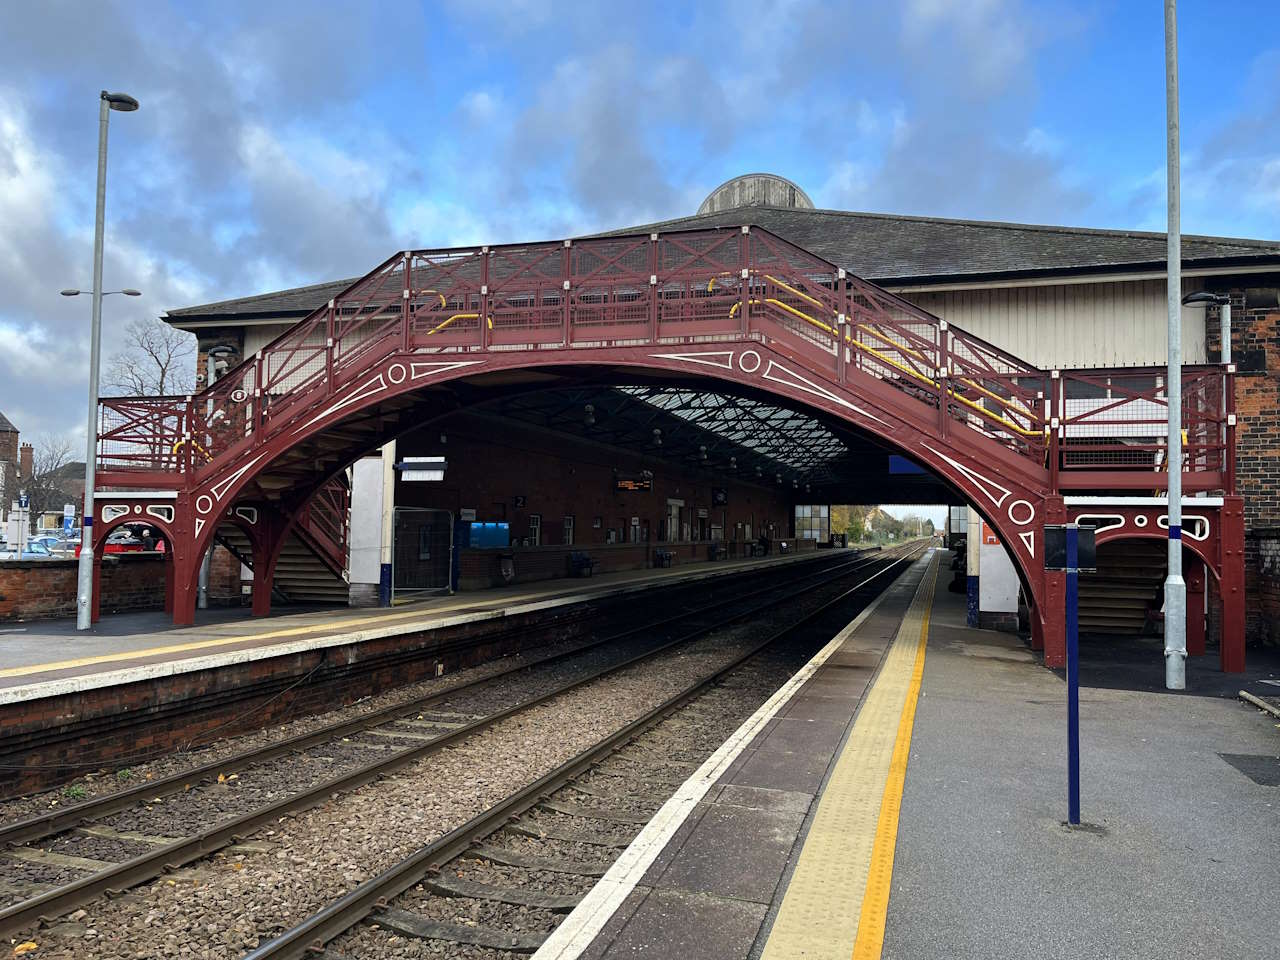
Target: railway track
x=111 y=843
x=525 y=862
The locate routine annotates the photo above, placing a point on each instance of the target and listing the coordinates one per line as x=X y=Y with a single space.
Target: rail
x=724 y=284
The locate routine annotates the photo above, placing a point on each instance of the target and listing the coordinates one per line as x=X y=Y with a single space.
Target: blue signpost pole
x=1073 y=675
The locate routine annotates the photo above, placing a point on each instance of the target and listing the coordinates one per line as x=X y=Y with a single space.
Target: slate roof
x=895 y=250
x=6 y=425
x=888 y=249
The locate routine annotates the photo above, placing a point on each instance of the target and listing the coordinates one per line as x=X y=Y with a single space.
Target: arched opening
x=1122 y=602
x=710 y=413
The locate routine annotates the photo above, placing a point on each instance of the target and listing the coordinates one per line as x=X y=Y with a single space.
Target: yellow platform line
x=332 y=628
x=845 y=867
x=875 y=903
x=339 y=627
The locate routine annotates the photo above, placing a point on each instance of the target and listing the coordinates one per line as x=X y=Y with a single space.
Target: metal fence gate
x=423 y=553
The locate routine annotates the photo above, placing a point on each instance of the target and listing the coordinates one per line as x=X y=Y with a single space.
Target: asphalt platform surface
x=1179 y=855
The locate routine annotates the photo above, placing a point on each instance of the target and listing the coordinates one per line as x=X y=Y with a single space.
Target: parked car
x=122 y=541
x=32 y=551
x=54 y=543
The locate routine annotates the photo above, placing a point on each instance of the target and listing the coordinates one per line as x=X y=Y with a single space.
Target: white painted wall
x=1114 y=324
x=366 y=520
x=998 y=582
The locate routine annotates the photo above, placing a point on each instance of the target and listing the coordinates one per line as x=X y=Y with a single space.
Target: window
x=813 y=522
x=535 y=529
x=568 y=531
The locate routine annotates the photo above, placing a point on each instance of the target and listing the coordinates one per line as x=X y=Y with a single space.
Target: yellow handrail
x=194 y=443
x=1003 y=401
x=458 y=316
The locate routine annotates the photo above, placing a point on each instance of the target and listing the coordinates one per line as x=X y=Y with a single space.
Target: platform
x=51 y=658
x=904 y=798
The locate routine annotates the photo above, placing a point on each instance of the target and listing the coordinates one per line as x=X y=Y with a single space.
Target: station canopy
x=750 y=438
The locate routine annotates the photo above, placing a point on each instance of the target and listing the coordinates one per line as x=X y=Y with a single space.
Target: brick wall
x=39 y=589
x=1255 y=348
x=492 y=464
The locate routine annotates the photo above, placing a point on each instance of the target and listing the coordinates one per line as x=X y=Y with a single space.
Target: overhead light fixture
x=590 y=418
x=702 y=452
x=759 y=472
x=657 y=437
x=733 y=463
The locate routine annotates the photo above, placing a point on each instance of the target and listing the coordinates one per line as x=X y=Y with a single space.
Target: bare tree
x=49 y=486
x=156 y=359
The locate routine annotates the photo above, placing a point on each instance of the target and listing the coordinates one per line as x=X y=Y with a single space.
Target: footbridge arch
x=740 y=307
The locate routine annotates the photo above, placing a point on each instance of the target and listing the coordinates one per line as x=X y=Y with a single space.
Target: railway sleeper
x=450 y=886
x=514 y=858
x=594 y=813
x=540 y=831
x=413 y=925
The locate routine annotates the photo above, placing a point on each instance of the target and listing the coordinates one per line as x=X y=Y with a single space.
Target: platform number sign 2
x=1072 y=548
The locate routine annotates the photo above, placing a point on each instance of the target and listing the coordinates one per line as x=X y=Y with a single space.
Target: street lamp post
x=84 y=600
x=1175 y=587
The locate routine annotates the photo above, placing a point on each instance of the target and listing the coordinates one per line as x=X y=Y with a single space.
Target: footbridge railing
x=698 y=286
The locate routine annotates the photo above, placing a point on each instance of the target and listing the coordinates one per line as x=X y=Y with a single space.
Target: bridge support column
x=1231 y=650
x=1193 y=570
x=1053 y=594
x=168 y=579
x=267 y=544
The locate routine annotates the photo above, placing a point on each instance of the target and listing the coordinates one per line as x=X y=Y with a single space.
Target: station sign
x=633 y=483
x=422 y=469
x=1055 y=548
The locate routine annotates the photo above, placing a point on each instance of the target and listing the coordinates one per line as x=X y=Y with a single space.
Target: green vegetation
x=871 y=525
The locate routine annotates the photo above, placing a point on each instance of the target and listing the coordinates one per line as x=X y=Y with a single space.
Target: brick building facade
x=1255 y=349
x=8 y=465
x=557 y=478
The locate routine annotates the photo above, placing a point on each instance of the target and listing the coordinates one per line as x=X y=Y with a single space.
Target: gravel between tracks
x=225 y=905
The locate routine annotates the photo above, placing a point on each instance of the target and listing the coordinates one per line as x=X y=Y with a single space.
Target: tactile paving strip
x=819 y=914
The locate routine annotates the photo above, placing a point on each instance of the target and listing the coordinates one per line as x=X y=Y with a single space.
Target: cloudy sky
x=283 y=142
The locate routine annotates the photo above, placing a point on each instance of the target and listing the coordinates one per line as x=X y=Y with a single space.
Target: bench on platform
x=663 y=558
x=582 y=564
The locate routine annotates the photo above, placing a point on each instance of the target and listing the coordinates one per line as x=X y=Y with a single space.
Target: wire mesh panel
x=609 y=289
x=699 y=289
x=142 y=433
x=444 y=302
x=1119 y=420
x=526 y=295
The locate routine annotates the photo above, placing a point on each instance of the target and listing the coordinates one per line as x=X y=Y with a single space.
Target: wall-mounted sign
x=633 y=482
x=719 y=497
x=520 y=500
x=467 y=514
x=420 y=469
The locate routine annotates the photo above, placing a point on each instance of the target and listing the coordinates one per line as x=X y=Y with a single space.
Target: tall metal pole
x=84 y=584
x=1175 y=588
x=1073 y=674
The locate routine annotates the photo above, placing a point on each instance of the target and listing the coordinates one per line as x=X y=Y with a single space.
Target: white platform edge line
x=168 y=668
x=583 y=925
